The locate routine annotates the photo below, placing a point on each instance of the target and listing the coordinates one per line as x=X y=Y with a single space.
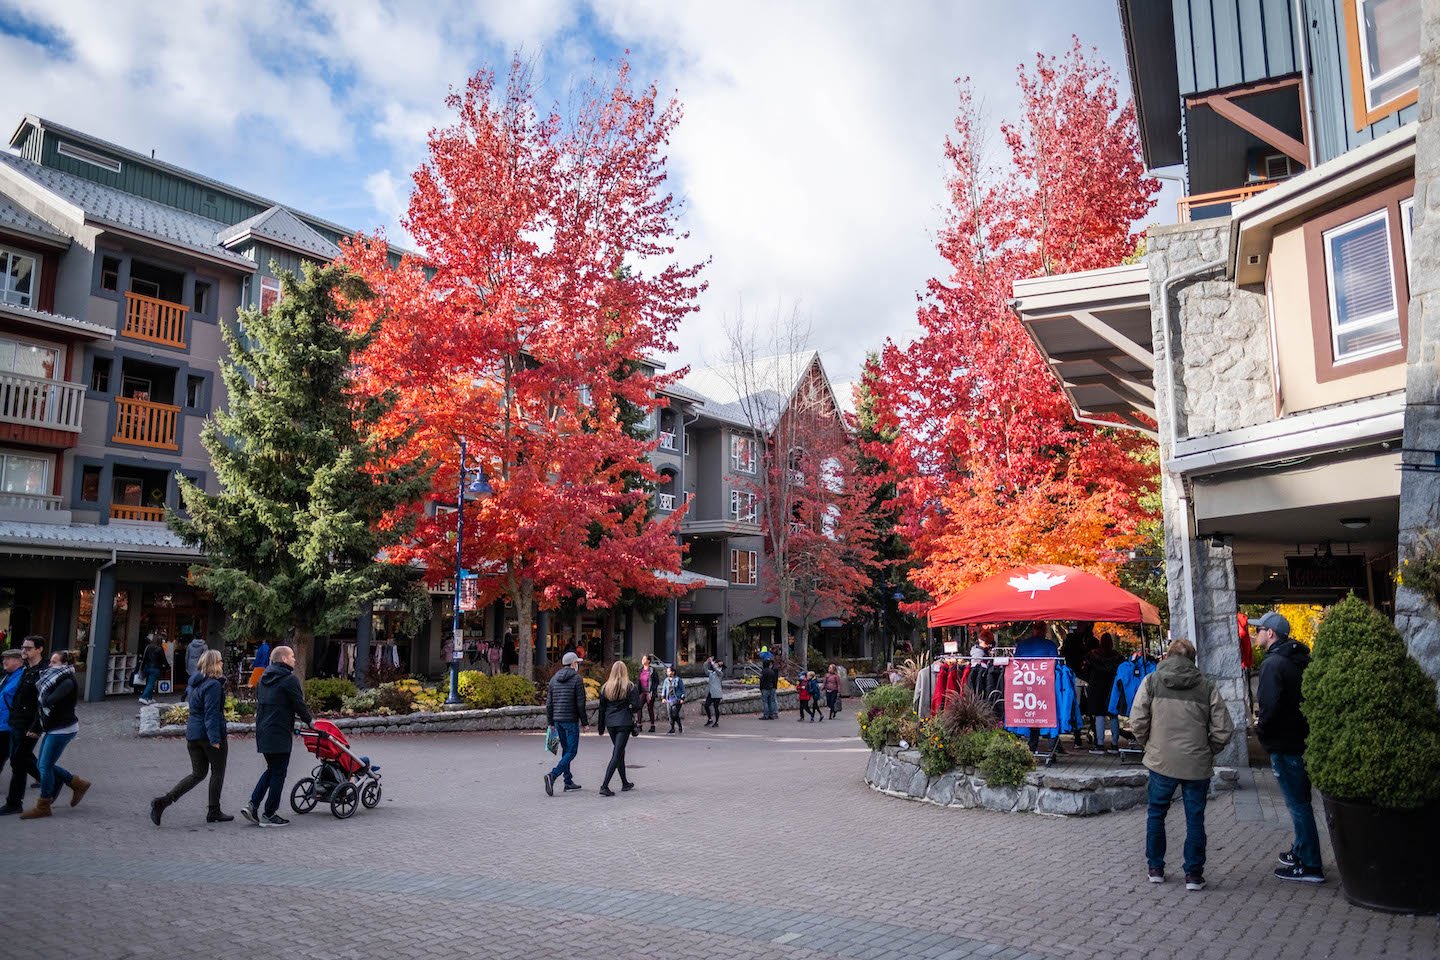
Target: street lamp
x=479 y=487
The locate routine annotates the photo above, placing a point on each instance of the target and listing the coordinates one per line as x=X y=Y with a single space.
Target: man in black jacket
x=769 y=682
x=1282 y=730
x=279 y=699
x=24 y=712
x=565 y=711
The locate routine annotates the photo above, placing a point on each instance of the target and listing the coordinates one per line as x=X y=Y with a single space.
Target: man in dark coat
x=279 y=699
x=565 y=711
x=1282 y=730
x=24 y=713
x=769 y=684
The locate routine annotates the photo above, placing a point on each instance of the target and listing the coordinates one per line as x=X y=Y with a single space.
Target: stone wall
x=1415 y=615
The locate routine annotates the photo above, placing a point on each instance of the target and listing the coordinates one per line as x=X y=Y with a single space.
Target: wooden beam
x=1115 y=338
x=1124 y=392
x=1247 y=89
x=1080 y=356
x=1226 y=107
x=1131 y=380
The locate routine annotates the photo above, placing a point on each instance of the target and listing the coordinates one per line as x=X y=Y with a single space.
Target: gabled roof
x=761 y=388
x=281 y=228
x=126 y=213
x=18 y=220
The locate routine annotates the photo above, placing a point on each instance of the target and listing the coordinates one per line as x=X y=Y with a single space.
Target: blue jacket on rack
x=1127 y=680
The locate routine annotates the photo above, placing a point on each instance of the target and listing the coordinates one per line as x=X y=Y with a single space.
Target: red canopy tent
x=1043 y=592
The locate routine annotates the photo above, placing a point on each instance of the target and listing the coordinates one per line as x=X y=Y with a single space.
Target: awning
x=1043 y=592
x=695 y=581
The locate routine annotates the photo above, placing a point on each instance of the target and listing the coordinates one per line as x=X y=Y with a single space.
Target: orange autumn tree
x=996 y=471
x=547 y=273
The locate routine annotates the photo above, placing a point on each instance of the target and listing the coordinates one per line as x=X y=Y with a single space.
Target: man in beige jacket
x=1182 y=723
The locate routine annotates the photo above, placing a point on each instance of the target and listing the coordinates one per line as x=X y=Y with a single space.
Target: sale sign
x=1030 y=693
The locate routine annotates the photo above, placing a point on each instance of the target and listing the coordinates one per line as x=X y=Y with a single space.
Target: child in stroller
x=344 y=779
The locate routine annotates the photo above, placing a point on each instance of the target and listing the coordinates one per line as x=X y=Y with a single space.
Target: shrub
x=1374 y=728
x=179 y=713
x=513 y=691
x=326 y=693
x=396 y=697
x=363 y=702
x=967 y=713
x=431 y=699
x=890 y=699
x=476 y=690
x=1007 y=760
x=969 y=749
x=936 y=749
x=879 y=730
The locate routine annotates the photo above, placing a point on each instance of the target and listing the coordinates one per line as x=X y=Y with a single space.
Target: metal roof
x=16 y=219
x=58 y=321
x=1149 y=31
x=93 y=540
x=282 y=228
x=126 y=213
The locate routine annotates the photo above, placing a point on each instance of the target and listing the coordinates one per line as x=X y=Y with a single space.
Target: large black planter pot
x=1388 y=859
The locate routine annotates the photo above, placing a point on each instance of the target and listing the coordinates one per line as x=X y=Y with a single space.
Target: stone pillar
x=672 y=629
x=1217 y=639
x=98 y=659
x=1417 y=616
x=364 y=633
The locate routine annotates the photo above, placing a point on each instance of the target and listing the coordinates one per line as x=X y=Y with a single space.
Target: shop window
x=1384 y=56
x=744 y=567
x=100 y=374
x=17 y=277
x=200 y=299
x=90 y=484
x=110 y=273
x=1364 y=314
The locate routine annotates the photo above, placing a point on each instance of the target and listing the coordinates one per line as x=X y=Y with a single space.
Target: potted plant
x=1374 y=755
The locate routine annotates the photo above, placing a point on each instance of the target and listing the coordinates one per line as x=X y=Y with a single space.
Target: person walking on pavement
x=619 y=702
x=672 y=692
x=812 y=687
x=152 y=665
x=193 y=653
x=802 y=696
x=205 y=739
x=714 y=691
x=649 y=681
x=12 y=660
x=769 y=684
x=55 y=722
x=261 y=662
x=24 y=713
x=565 y=711
x=831 y=686
x=1283 y=730
x=278 y=701
x=1180 y=720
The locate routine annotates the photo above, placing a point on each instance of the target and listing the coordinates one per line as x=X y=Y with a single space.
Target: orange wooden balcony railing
x=145 y=423
x=155 y=320
x=1221 y=198
x=123 y=511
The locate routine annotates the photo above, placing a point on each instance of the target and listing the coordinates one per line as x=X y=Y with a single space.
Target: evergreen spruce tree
x=293 y=540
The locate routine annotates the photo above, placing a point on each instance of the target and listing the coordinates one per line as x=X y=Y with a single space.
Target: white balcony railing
x=38 y=402
x=667 y=441
x=665 y=502
x=29 y=501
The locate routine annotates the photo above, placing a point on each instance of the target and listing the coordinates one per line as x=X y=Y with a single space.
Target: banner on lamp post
x=469 y=593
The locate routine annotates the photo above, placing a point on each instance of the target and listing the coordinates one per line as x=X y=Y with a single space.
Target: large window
x=1360 y=274
x=744 y=567
x=24 y=473
x=18 y=279
x=32 y=359
x=1384 y=41
x=743 y=506
x=742 y=454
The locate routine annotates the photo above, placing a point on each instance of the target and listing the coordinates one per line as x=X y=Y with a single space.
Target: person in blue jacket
x=205 y=738
x=9 y=681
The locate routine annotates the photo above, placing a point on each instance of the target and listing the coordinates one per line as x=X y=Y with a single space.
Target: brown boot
x=41 y=809
x=78 y=786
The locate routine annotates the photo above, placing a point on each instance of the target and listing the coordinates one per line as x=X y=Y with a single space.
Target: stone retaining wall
x=896 y=773
x=452 y=721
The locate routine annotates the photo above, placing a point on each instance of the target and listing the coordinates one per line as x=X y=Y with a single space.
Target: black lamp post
x=479 y=487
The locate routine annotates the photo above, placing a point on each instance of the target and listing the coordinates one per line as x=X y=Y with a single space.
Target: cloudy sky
x=809 y=156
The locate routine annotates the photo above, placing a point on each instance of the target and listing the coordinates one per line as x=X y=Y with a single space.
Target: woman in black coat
x=619 y=702
x=57 y=693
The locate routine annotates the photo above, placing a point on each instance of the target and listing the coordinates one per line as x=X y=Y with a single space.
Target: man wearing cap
x=1282 y=731
x=9 y=683
x=565 y=711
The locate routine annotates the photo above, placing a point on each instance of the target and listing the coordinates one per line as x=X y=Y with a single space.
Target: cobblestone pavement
x=756 y=840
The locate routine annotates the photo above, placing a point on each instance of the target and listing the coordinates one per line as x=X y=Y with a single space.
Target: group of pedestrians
x=37 y=702
x=1183 y=724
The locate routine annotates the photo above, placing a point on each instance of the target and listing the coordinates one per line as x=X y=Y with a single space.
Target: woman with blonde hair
x=619 y=702
x=205 y=735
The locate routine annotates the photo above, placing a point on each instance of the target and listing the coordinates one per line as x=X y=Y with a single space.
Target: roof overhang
x=247 y=236
x=1094 y=329
x=1254 y=222
x=1149 y=30
x=56 y=321
x=234 y=261
x=695 y=581
x=737 y=528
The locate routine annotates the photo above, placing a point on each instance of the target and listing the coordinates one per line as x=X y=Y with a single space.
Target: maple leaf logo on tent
x=1036 y=581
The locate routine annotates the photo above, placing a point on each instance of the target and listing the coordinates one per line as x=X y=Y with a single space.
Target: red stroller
x=344 y=779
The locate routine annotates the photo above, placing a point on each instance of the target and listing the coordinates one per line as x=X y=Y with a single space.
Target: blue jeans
x=1295 y=785
x=569 y=734
x=1193 y=794
x=152 y=677
x=48 y=761
x=769 y=704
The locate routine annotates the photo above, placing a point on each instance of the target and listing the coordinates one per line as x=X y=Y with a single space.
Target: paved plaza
x=756 y=840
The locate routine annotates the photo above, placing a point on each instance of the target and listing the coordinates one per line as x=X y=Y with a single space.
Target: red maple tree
x=996 y=471
x=547 y=275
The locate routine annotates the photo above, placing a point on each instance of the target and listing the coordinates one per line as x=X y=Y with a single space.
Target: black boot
x=218 y=816
x=157 y=809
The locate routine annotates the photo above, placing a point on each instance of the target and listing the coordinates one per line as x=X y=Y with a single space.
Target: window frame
x=745 y=464
x=1317 y=259
x=748 y=499
x=269 y=284
x=752 y=567
x=48 y=459
x=62 y=355
x=1381 y=218
x=8 y=253
x=1365 y=113
x=1407 y=216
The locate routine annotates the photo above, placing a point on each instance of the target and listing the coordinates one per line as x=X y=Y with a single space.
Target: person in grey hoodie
x=1182 y=723
x=714 y=691
x=193 y=653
